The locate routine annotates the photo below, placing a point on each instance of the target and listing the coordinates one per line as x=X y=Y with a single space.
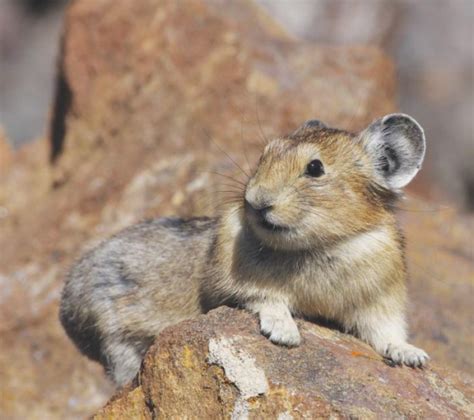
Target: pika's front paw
x=280 y=330
x=406 y=354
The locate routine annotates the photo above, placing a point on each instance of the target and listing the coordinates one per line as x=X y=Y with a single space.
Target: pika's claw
x=280 y=330
x=406 y=354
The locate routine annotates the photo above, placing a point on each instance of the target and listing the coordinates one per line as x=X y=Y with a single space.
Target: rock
x=441 y=280
x=219 y=366
x=29 y=33
x=131 y=138
x=24 y=178
x=5 y=153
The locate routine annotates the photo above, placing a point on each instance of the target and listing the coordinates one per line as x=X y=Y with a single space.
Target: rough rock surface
x=219 y=366
x=131 y=137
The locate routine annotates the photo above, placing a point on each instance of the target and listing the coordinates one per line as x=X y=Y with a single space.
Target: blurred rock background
x=142 y=87
x=29 y=39
x=430 y=41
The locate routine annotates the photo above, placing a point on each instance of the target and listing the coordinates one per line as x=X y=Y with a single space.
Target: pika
x=314 y=235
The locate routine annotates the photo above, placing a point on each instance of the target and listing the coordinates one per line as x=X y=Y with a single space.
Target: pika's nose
x=258 y=201
x=261 y=208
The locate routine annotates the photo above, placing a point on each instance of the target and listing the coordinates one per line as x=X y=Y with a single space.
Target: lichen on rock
x=239 y=367
x=330 y=375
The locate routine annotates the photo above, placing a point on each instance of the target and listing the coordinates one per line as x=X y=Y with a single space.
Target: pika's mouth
x=265 y=224
x=261 y=221
x=262 y=218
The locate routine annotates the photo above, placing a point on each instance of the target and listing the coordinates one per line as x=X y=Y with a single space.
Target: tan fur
x=343 y=258
x=293 y=244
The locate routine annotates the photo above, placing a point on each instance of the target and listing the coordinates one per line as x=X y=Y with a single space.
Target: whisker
x=428 y=209
x=243 y=146
x=228 y=191
x=266 y=141
x=229 y=177
x=238 y=187
x=225 y=153
x=328 y=219
x=229 y=201
x=394 y=207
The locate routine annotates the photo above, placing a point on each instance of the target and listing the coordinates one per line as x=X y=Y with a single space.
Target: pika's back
x=148 y=268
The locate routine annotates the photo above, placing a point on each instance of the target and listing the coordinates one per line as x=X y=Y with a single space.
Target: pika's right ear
x=396 y=143
x=308 y=126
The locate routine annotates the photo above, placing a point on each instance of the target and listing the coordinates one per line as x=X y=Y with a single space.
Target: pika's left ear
x=396 y=142
x=309 y=125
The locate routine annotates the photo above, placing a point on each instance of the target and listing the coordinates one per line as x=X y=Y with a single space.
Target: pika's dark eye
x=315 y=168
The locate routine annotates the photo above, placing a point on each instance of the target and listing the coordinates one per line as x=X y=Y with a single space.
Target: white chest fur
x=343 y=278
x=327 y=283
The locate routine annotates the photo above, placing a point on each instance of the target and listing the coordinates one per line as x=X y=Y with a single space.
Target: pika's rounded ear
x=308 y=126
x=396 y=143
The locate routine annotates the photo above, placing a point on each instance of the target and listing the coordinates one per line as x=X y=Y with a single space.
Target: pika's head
x=320 y=185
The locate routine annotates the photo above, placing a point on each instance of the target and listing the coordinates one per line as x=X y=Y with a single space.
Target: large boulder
x=148 y=93
x=219 y=366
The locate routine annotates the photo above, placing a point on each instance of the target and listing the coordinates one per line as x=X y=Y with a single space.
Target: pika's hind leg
x=276 y=322
x=123 y=361
x=386 y=333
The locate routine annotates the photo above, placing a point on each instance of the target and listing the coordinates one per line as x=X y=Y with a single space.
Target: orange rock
x=220 y=366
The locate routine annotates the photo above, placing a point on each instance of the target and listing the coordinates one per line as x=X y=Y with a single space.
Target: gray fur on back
x=112 y=292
